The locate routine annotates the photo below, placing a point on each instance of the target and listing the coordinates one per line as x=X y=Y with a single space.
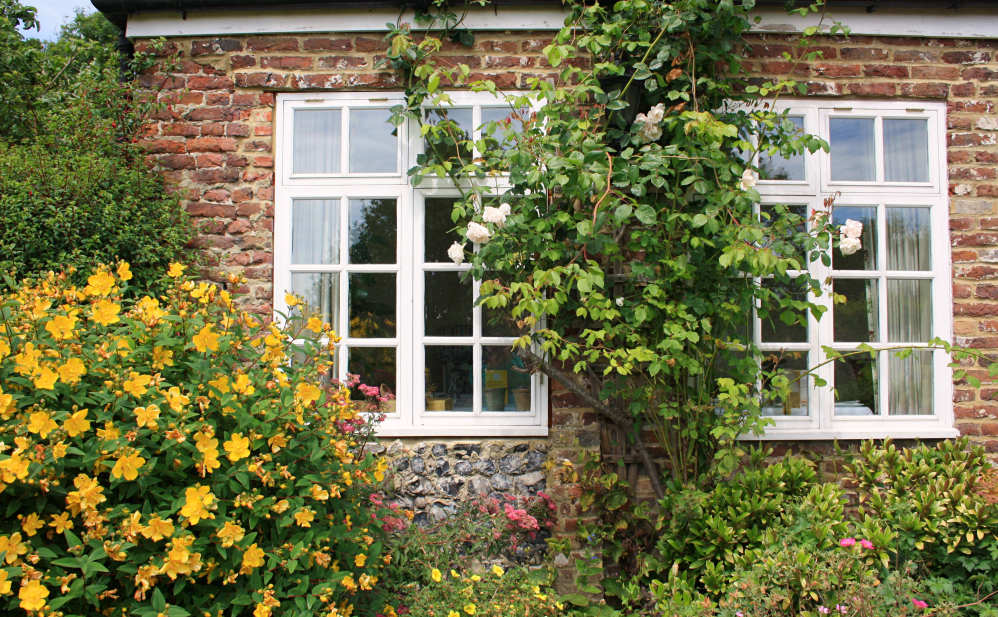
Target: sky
x=52 y=14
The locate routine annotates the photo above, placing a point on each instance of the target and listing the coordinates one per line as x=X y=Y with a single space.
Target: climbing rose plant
x=164 y=456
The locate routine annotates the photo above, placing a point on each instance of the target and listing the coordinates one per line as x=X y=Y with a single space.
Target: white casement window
x=369 y=253
x=887 y=169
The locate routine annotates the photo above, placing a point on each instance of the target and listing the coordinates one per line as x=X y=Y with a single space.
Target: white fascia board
x=932 y=23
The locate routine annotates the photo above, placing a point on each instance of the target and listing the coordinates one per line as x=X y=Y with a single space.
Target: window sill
x=481 y=431
x=899 y=432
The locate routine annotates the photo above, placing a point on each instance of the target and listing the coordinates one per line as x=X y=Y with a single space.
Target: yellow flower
x=455 y=574
x=306 y=394
x=46 y=379
x=360 y=560
x=4 y=349
x=175 y=399
x=221 y=384
x=242 y=384
x=59 y=450
x=475 y=578
x=4 y=583
x=198 y=499
x=136 y=383
x=128 y=466
x=230 y=533
x=252 y=558
x=453 y=614
x=61 y=522
x=318 y=493
x=314 y=324
x=109 y=432
x=14 y=468
x=61 y=327
x=146 y=416
x=42 y=424
x=205 y=340
x=72 y=370
x=33 y=596
x=87 y=496
x=106 y=312
x=161 y=358
x=261 y=610
x=176 y=270
x=348 y=583
x=26 y=360
x=469 y=608
x=304 y=517
x=280 y=506
x=100 y=284
x=157 y=528
x=124 y=273
x=31 y=524
x=367 y=581
x=13 y=547
x=291 y=300
x=435 y=575
x=237 y=447
x=277 y=442
x=498 y=571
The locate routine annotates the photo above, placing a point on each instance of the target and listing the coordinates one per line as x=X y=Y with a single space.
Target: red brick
x=374 y=80
x=885 y=70
x=272 y=44
x=264 y=161
x=211 y=210
x=536 y=45
x=966 y=57
x=176 y=161
x=211 y=144
x=234 y=160
x=915 y=55
x=343 y=62
x=239 y=226
x=209 y=160
x=266 y=193
x=286 y=62
x=162 y=81
x=208 y=82
x=961 y=224
x=200 y=114
x=975 y=310
x=236 y=129
x=837 y=70
x=263 y=130
x=963 y=256
x=242 y=194
x=259 y=80
x=216 y=129
x=328 y=45
x=215 y=47
x=507 y=62
x=507 y=47
x=826 y=53
x=865 y=54
x=961 y=291
x=770 y=51
x=987 y=190
x=216 y=195
x=218 y=97
x=316 y=81
x=823 y=88
x=872 y=89
x=248 y=209
x=504 y=80
x=978 y=239
x=218 y=242
x=452 y=61
x=366 y=44
x=215 y=176
x=242 y=62
x=964 y=89
x=925 y=91
x=257 y=146
x=980 y=73
x=164 y=146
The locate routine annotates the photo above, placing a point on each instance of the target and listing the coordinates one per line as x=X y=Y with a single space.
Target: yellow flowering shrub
x=493 y=592
x=172 y=456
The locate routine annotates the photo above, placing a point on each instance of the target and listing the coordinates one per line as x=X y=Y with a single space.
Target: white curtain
x=906 y=151
x=321 y=292
x=315 y=231
x=316 y=141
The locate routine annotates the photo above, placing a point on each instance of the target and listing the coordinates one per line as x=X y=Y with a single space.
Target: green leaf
x=646 y=214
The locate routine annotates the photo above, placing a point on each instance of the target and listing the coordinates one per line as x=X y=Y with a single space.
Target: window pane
x=372 y=231
x=866 y=257
x=908 y=239
x=910 y=384
x=778 y=167
x=505 y=380
x=438 y=229
x=448 y=148
x=315 y=231
x=376 y=367
x=857 y=320
x=774 y=329
x=373 y=141
x=909 y=311
x=372 y=305
x=448 y=304
x=506 y=118
x=449 y=378
x=906 y=150
x=498 y=322
x=856 y=386
x=316 y=140
x=321 y=293
x=793 y=366
x=853 y=150
x=771 y=216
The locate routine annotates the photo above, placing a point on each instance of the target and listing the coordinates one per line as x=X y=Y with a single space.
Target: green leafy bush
x=162 y=457
x=493 y=593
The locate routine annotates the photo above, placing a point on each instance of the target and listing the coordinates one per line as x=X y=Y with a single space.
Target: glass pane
x=793 y=366
x=374 y=142
x=498 y=322
x=316 y=140
x=909 y=384
x=315 y=231
x=373 y=231
x=448 y=148
x=506 y=118
x=866 y=257
x=449 y=378
x=376 y=367
x=856 y=386
x=778 y=167
x=853 y=150
x=774 y=325
x=906 y=150
x=772 y=217
x=909 y=311
x=438 y=229
x=448 y=304
x=372 y=305
x=908 y=234
x=505 y=380
x=856 y=321
x=321 y=293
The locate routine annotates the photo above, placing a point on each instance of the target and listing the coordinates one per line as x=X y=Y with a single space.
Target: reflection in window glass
x=771 y=216
x=438 y=229
x=906 y=150
x=778 y=167
x=505 y=380
x=372 y=305
x=853 y=150
x=908 y=239
x=316 y=141
x=793 y=364
x=448 y=304
x=321 y=293
x=773 y=328
x=376 y=367
x=866 y=257
x=498 y=322
x=856 y=386
x=373 y=231
x=373 y=141
x=449 y=147
x=857 y=320
x=909 y=384
x=315 y=231
x=449 y=378
x=506 y=119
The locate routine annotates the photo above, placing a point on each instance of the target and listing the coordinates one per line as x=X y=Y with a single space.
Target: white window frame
x=821 y=423
x=409 y=419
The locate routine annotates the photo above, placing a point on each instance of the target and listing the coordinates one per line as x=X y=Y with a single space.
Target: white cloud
x=52 y=14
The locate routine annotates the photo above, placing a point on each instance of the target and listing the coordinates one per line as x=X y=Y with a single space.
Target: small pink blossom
x=866 y=544
x=823 y=610
x=842 y=608
x=919 y=603
x=847 y=542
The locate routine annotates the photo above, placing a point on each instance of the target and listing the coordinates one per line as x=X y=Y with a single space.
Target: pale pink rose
x=848 y=245
x=479 y=234
x=852 y=229
x=748 y=180
x=456 y=253
x=494 y=215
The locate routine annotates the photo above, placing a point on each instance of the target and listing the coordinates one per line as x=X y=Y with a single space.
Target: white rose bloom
x=848 y=245
x=649 y=129
x=504 y=208
x=852 y=229
x=656 y=113
x=748 y=179
x=456 y=253
x=494 y=215
x=620 y=302
x=479 y=234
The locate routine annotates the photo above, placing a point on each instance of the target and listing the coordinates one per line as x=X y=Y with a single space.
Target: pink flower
x=823 y=610
x=846 y=542
x=842 y=608
x=739 y=614
x=866 y=544
x=919 y=603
